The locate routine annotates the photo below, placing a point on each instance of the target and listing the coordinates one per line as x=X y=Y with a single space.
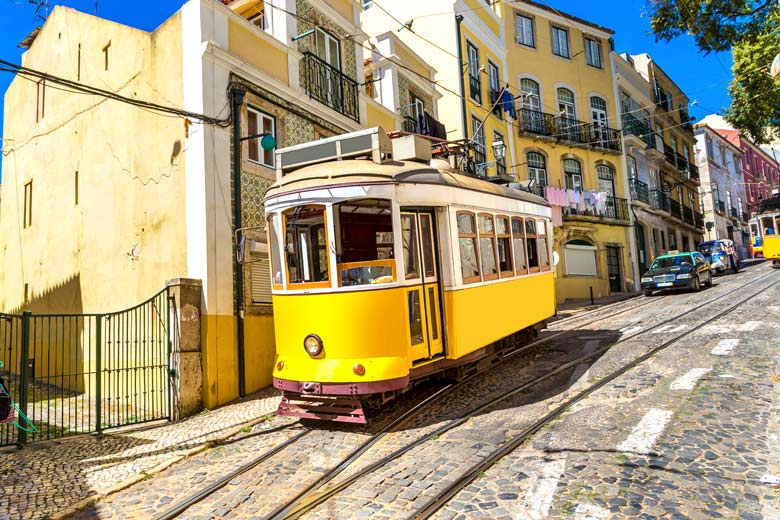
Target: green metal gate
x=82 y=373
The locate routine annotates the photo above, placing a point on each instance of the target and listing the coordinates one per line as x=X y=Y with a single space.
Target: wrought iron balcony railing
x=745 y=217
x=639 y=191
x=423 y=124
x=632 y=125
x=688 y=214
x=659 y=200
x=493 y=96
x=569 y=129
x=617 y=208
x=675 y=208
x=330 y=86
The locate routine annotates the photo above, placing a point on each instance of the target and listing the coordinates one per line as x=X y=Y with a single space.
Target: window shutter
x=580 y=260
x=260 y=270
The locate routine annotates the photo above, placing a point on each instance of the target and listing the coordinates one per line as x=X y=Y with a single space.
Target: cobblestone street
x=690 y=432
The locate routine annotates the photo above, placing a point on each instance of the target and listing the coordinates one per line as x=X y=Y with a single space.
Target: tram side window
x=274 y=245
x=767 y=226
x=518 y=241
x=487 y=247
x=531 y=242
x=504 y=247
x=544 y=252
x=467 y=242
x=365 y=241
x=306 y=244
x=754 y=230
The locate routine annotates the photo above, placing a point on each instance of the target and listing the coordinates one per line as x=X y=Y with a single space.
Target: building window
x=530 y=97
x=262 y=19
x=580 y=258
x=500 y=161
x=467 y=242
x=606 y=178
x=566 y=105
x=475 y=85
x=27 y=215
x=560 y=41
x=573 y=172
x=710 y=149
x=593 y=52
x=367 y=4
x=494 y=84
x=40 y=101
x=328 y=49
x=633 y=170
x=537 y=168
x=257 y=123
x=478 y=141
x=524 y=30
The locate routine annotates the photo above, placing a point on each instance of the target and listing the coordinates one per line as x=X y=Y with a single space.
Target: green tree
x=751 y=29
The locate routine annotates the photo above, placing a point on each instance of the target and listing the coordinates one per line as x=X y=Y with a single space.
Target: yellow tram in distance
x=764 y=232
x=388 y=266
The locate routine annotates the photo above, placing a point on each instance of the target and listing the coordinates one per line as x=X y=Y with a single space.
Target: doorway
x=613 y=269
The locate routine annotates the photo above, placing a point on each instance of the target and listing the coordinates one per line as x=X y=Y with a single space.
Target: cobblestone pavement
x=561 y=479
x=45 y=479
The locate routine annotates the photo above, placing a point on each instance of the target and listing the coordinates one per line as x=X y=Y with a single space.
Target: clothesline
x=594 y=202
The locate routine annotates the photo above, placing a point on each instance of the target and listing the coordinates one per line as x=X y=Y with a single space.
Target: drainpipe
x=458 y=21
x=238 y=101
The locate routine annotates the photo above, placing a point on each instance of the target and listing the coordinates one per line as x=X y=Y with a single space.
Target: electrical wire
x=7 y=66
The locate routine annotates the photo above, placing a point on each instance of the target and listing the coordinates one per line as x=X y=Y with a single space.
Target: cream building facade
x=123 y=198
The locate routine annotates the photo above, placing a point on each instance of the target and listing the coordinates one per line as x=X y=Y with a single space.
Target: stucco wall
x=126 y=234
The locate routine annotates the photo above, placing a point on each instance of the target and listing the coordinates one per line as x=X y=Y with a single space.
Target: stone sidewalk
x=53 y=479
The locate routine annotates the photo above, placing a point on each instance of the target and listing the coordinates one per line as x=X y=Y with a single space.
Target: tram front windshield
x=364 y=242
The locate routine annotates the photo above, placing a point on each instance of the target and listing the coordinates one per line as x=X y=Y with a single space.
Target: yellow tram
x=765 y=232
x=388 y=266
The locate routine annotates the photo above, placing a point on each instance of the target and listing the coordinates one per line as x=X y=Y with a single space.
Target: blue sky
x=704 y=78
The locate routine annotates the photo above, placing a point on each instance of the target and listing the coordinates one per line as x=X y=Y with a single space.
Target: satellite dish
x=774 y=69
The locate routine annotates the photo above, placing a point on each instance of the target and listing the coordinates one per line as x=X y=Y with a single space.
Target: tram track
x=305 y=502
x=292 y=509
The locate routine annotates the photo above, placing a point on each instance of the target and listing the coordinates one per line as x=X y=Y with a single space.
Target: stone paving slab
x=52 y=479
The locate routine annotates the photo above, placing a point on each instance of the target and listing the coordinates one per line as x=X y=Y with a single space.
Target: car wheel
x=696 y=284
x=648 y=292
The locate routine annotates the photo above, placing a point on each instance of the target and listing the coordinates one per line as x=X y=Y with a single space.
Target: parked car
x=721 y=255
x=676 y=270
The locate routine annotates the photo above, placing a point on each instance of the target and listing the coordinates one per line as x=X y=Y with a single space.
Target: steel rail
x=472 y=473
x=304 y=504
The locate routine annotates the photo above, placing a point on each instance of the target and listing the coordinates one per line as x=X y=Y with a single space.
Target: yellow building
x=469 y=107
x=123 y=198
x=567 y=143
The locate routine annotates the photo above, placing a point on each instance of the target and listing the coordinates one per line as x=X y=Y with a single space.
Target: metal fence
x=81 y=373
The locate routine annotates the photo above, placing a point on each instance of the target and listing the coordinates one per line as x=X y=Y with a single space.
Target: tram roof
x=358 y=171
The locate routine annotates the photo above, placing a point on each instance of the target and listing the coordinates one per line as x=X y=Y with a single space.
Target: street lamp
x=499 y=152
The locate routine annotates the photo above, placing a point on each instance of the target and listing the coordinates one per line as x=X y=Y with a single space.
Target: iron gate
x=82 y=373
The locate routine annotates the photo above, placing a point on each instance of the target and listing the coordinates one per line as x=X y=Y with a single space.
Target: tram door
x=422 y=298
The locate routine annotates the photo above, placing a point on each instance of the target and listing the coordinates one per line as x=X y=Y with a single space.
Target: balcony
x=493 y=97
x=423 y=124
x=566 y=129
x=330 y=86
x=659 y=200
x=720 y=206
x=745 y=217
x=614 y=208
x=733 y=213
x=687 y=169
x=634 y=126
x=698 y=220
x=639 y=191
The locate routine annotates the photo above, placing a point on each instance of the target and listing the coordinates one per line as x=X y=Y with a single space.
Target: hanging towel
x=508 y=103
x=557 y=216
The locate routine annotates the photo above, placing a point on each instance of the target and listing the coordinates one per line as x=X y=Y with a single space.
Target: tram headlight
x=313 y=345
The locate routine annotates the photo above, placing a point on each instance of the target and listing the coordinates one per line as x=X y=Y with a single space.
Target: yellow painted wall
x=378 y=115
x=473 y=320
x=258 y=49
x=345 y=8
x=259 y=350
x=219 y=359
x=485 y=14
x=126 y=235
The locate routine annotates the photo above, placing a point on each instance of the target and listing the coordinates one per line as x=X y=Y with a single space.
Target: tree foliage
x=751 y=29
